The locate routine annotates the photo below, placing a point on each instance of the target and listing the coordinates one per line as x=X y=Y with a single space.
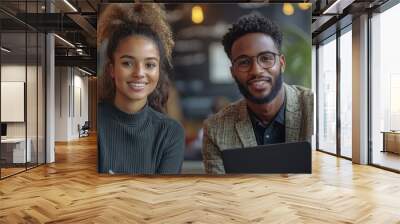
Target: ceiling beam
x=84 y=24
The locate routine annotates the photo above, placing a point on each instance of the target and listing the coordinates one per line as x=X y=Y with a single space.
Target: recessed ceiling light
x=70 y=5
x=5 y=50
x=84 y=71
x=337 y=7
x=64 y=40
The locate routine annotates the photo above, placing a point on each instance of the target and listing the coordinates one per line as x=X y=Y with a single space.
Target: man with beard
x=271 y=111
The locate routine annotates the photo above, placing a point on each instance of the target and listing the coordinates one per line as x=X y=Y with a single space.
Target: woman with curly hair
x=134 y=134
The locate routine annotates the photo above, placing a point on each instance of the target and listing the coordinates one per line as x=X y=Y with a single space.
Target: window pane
x=327 y=97
x=385 y=84
x=346 y=94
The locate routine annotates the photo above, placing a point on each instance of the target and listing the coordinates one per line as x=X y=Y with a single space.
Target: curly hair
x=252 y=23
x=122 y=20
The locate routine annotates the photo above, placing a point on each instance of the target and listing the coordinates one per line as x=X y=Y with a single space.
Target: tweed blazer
x=232 y=128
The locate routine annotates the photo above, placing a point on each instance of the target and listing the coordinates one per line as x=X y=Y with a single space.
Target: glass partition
x=13 y=105
x=41 y=86
x=346 y=93
x=22 y=89
x=31 y=98
x=385 y=89
x=327 y=96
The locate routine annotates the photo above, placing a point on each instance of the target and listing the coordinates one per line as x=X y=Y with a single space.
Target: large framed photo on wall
x=182 y=85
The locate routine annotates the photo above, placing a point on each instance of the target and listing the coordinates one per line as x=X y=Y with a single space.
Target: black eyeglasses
x=264 y=59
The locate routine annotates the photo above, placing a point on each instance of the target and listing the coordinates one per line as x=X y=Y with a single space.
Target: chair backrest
x=86 y=125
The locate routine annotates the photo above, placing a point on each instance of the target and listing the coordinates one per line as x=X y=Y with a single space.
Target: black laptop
x=292 y=157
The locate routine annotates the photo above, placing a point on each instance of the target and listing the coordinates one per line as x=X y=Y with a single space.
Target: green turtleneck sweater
x=146 y=142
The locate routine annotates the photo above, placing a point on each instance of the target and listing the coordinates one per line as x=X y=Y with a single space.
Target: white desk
x=18 y=149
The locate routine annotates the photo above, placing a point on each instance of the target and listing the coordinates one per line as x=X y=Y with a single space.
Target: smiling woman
x=135 y=71
x=134 y=134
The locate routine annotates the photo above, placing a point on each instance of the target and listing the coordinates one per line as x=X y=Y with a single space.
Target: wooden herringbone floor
x=71 y=191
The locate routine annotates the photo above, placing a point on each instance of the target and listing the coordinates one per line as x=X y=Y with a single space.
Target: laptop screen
x=292 y=157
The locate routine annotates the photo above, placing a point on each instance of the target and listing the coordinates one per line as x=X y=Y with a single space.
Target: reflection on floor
x=387 y=159
x=10 y=169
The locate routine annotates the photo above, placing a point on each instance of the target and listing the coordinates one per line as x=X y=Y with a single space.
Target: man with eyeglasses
x=271 y=111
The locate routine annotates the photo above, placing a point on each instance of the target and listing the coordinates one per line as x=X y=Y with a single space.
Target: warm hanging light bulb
x=288 y=9
x=304 y=5
x=197 y=14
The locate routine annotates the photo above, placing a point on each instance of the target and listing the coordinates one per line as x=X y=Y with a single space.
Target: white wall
x=71 y=94
x=61 y=103
x=13 y=72
x=81 y=113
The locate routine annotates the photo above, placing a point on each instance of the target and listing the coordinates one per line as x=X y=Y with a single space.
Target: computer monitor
x=3 y=129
